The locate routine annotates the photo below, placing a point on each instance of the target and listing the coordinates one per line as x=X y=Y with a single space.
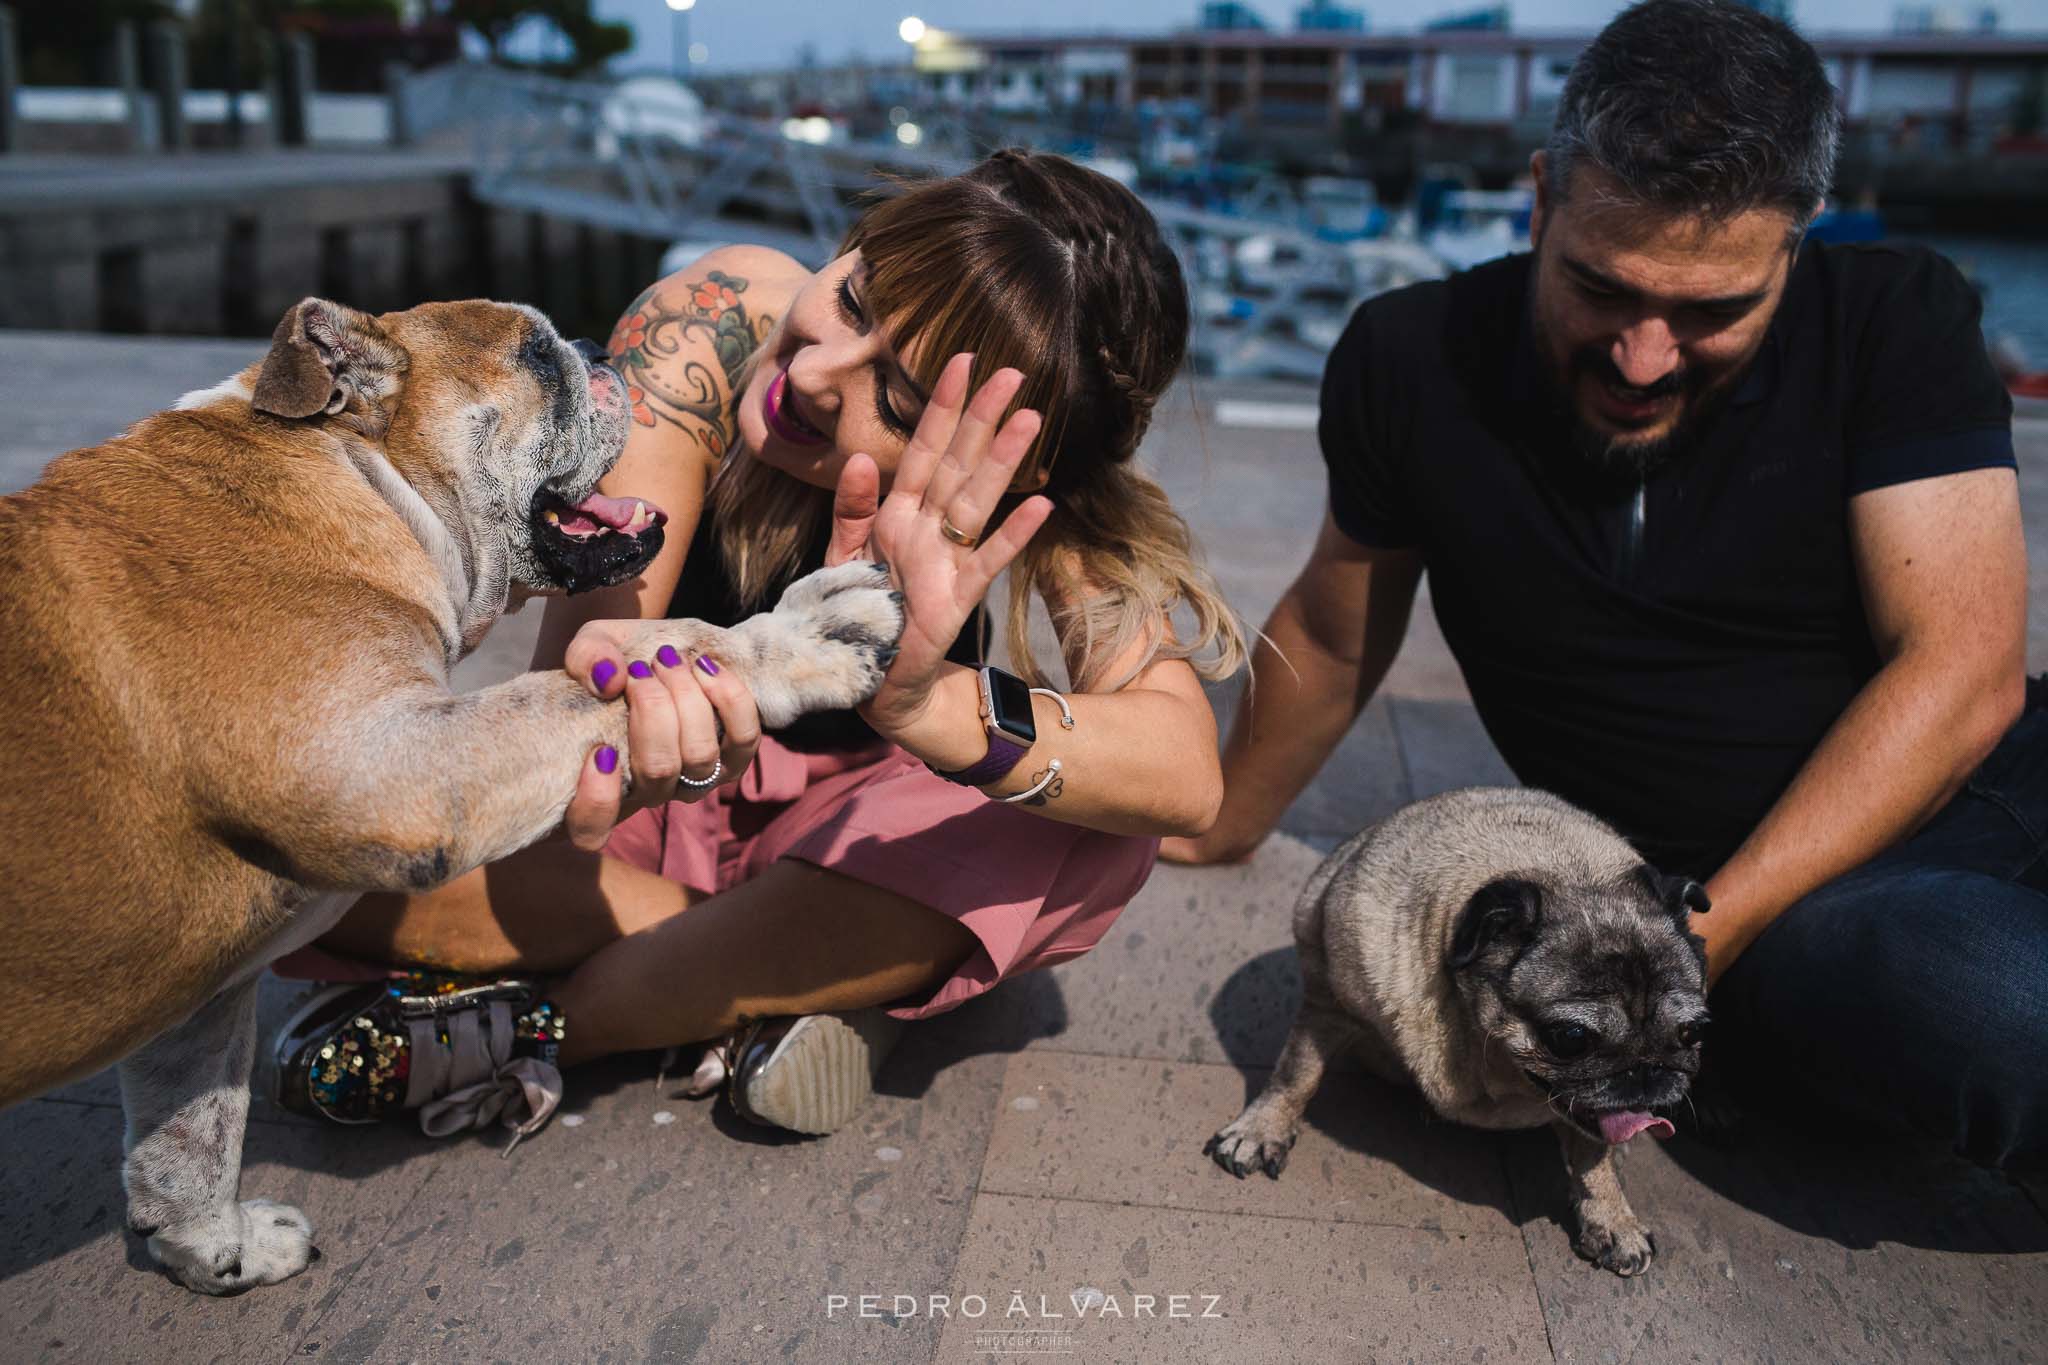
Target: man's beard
x=1634 y=459
x=1614 y=456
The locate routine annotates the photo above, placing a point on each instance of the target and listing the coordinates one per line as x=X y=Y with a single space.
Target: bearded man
x=1722 y=528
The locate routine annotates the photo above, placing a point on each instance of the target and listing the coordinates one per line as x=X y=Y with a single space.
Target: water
x=2013 y=275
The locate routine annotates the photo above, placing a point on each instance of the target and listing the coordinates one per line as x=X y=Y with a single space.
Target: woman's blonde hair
x=1032 y=262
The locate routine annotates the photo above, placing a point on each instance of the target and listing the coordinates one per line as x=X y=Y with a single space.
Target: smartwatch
x=1006 y=712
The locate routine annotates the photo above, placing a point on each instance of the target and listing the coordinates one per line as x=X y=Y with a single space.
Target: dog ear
x=1509 y=910
x=1680 y=896
x=325 y=358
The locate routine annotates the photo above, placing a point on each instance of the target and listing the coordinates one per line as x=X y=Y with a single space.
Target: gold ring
x=956 y=535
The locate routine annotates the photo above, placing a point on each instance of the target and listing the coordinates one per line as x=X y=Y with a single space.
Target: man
x=1724 y=533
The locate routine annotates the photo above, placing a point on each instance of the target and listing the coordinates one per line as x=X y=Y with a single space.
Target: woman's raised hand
x=958 y=465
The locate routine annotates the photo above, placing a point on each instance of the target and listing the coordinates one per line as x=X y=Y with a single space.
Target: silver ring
x=700 y=783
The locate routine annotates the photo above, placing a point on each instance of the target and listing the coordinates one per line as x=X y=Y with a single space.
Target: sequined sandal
x=460 y=1050
x=811 y=1074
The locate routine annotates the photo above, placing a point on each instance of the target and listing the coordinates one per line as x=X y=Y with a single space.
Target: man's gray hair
x=1700 y=106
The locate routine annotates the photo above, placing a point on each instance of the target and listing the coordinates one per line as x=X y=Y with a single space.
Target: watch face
x=1010 y=701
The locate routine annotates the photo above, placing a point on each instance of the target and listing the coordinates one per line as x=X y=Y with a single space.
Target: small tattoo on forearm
x=1052 y=788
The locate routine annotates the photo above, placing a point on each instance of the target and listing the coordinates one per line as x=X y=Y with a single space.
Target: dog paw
x=826 y=645
x=256 y=1242
x=1621 y=1245
x=1259 y=1139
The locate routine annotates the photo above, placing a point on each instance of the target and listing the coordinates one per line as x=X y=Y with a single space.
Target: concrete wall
x=231 y=264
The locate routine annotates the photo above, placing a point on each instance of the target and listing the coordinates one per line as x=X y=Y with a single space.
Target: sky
x=753 y=34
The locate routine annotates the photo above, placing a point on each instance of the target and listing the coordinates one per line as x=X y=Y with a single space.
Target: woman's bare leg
x=643 y=973
x=544 y=909
x=795 y=940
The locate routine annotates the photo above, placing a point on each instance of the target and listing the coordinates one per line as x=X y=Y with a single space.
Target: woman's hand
x=684 y=717
x=956 y=468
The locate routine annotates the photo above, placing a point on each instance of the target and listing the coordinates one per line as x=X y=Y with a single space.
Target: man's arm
x=1943 y=567
x=1325 y=649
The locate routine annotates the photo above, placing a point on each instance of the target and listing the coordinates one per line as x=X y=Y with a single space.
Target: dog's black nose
x=591 y=352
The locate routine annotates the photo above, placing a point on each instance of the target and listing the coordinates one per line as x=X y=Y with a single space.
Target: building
x=1227 y=16
x=1324 y=16
x=1966 y=85
x=1493 y=19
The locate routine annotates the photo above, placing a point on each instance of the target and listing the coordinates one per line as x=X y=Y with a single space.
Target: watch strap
x=1003 y=754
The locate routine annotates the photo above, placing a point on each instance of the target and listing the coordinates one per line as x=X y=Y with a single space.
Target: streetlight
x=910 y=30
x=682 y=10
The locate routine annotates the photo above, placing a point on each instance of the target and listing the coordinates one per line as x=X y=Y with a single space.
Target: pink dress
x=1033 y=891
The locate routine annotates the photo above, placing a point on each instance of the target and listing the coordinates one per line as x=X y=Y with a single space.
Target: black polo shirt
x=1670 y=671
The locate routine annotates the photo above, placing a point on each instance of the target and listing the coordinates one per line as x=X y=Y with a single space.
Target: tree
x=68 y=44
x=594 y=42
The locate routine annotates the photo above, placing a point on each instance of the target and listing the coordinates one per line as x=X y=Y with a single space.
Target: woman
x=986 y=350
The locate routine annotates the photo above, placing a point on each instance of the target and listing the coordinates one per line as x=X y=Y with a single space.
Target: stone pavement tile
x=75 y=1286
x=1286 y=1289
x=639 y=1226
x=1444 y=747
x=1793 y=1249
x=1425 y=667
x=2030 y=444
x=1199 y=968
x=1131 y=1132
x=61 y=391
x=506 y=651
x=1364 y=780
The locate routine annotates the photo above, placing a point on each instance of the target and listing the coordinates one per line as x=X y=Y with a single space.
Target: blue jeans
x=1910 y=996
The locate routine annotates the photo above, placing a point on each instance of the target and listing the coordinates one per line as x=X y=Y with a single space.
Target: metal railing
x=1269 y=297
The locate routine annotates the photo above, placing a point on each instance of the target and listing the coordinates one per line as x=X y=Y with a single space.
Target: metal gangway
x=1269 y=297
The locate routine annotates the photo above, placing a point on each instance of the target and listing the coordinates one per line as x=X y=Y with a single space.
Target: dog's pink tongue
x=622 y=514
x=1619 y=1128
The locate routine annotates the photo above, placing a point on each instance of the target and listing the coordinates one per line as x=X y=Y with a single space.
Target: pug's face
x=1595 y=993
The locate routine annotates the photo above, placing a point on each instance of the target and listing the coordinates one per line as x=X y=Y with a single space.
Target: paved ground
x=1042 y=1142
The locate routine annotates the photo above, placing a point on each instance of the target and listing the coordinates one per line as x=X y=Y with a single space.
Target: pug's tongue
x=630 y=515
x=1620 y=1127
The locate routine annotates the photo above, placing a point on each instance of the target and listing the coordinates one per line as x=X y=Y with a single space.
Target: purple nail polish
x=607 y=760
x=705 y=663
x=639 y=669
x=601 y=676
x=668 y=656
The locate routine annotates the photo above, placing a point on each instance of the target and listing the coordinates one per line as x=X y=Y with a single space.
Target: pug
x=1515 y=960
x=229 y=633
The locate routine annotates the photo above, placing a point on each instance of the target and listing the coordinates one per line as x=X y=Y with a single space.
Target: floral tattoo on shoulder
x=652 y=348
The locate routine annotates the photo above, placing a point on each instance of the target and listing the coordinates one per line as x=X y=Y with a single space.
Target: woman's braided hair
x=1127 y=303
x=1113 y=530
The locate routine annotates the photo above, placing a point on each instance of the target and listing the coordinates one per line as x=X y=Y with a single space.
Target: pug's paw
x=1615 y=1242
x=1259 y=1139
x=825 y=646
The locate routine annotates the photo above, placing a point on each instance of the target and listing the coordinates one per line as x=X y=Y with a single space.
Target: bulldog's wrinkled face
x=1595 y=993
x=500 y=426
x=531 y=422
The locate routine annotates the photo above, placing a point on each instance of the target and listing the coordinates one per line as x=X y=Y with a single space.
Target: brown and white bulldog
x=227 y=642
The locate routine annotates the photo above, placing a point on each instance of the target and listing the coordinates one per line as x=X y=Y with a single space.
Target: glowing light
x=910 y=30
x=909 y=134
x=680 y=5
x=815 y=129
